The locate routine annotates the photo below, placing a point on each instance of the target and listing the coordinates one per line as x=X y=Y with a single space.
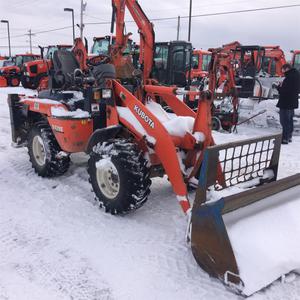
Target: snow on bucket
x=247 y=239
x=265 y=238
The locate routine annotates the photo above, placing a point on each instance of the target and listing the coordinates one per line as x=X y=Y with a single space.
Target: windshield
x=161 y=56
x=205 y=61
x=101 y=46
x=28 y=58
x=19 y=61
x=297 y=62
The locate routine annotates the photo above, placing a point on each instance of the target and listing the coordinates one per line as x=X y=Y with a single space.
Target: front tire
x=44 y=151
x=13 y=81
x=119 y=176
x=27 y=82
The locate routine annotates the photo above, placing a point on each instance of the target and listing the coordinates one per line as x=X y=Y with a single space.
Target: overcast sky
x=280 y=27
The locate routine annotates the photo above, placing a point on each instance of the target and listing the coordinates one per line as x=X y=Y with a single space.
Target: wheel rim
x=108 y=179
x=15 y=82
x=38 y=149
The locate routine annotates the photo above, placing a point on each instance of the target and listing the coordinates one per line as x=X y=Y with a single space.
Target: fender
x=101 y=135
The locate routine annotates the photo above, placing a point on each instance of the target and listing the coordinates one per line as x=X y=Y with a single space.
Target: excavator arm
x=145 y=28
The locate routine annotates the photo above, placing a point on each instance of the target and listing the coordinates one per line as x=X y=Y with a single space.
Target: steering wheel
x=99 y=60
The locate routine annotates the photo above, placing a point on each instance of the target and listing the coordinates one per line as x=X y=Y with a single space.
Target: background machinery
x=11 y=75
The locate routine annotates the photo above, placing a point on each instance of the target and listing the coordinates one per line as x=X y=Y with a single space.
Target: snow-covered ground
x=55 y=243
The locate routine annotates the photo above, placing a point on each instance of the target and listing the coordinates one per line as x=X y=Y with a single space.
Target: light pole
x=190 y=21
x=8 y=34
x=71 y=10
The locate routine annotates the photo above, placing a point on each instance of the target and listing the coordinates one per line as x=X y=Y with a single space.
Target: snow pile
x=159 y=112
x=175 y=125
x=179 y=126
x=61 y=112
x=265 y=250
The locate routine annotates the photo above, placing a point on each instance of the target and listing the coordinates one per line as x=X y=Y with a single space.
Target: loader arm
x=158 y=135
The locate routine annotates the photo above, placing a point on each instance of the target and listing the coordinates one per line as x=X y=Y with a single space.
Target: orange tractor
x=11 y=75
x=130 y=138
x=33 y=72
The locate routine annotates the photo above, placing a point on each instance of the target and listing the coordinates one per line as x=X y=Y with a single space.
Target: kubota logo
x=144 y=116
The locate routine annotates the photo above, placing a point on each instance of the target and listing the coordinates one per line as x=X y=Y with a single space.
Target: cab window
x=206 y=61
x=161 y=56
x=100 y=47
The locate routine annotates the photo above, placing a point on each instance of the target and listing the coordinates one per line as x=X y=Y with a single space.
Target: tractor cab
x=21 y=59
x=172 y=60
x=101 y=46
x=250 y=60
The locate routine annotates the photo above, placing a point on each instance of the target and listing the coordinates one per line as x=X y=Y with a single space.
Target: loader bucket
x=243 y=237
x=3 y=81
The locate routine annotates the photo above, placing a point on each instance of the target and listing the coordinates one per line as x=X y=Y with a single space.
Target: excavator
x=130 y=138
x=226 y=103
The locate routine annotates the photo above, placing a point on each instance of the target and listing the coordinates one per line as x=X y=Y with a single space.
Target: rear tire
x=44 y=150
x=27 y=82
x=119 y=176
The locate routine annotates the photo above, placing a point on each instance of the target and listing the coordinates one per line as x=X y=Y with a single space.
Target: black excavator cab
x=172 y=61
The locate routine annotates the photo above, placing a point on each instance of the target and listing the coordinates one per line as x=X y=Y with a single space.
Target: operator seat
x=64 y=65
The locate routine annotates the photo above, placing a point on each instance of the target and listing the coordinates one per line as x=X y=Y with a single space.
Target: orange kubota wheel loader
x=129 y=138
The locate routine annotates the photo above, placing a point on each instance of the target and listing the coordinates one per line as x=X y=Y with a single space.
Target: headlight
x=106 y=93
